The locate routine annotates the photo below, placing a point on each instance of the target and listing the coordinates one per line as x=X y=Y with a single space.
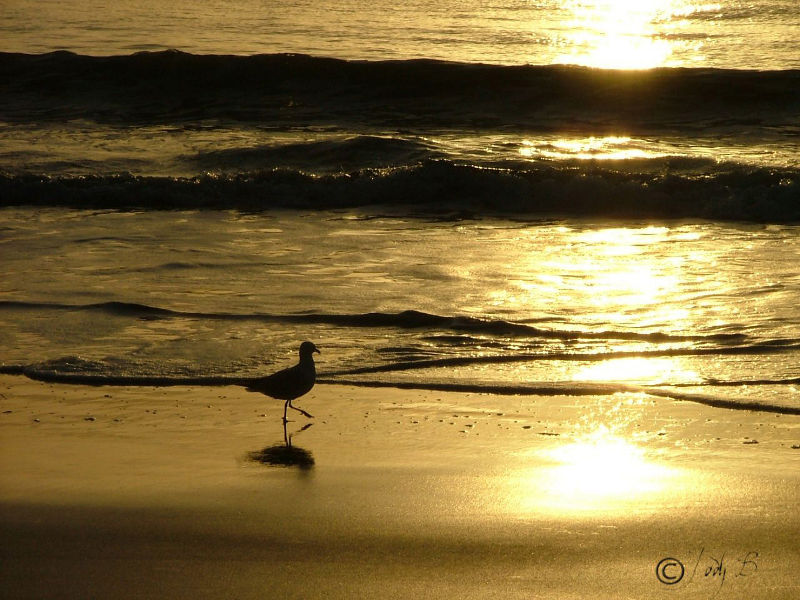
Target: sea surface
x=728 y=34
x=509 y=197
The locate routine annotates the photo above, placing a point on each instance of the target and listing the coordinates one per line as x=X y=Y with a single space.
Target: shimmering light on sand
x=619 y=34
x=601 y=472
x=600 y=468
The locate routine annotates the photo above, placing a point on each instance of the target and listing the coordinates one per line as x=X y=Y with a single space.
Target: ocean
x=576 y=197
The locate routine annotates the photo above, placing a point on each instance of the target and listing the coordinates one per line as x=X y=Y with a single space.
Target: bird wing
x=284 y=385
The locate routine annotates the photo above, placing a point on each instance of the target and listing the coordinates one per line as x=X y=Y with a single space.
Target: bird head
x=307 y=349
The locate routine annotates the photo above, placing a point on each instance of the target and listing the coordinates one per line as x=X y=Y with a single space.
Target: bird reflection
x=285 y=454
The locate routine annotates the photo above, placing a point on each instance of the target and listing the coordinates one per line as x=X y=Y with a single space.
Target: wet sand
x=115 y=492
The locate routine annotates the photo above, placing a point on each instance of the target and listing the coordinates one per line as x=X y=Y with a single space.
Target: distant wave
x=409 y=319
x=376 y=114
x=173 y=86
x=443 y=188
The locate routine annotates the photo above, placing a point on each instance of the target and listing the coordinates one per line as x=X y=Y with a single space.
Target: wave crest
x=350 y=153
x=729 y=193
x=173 y=86
x=407 y=319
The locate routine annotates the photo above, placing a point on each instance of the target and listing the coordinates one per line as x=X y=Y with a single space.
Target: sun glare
x=586 y=148
x=618 y=34
x=600 y=472
x=602 y=468
x=619 y=272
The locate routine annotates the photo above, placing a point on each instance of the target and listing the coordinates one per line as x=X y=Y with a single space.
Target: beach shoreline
x=152 y=492
x=547 y=251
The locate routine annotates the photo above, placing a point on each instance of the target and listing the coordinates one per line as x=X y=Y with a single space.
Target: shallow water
x=558 y=306
x=427 y=192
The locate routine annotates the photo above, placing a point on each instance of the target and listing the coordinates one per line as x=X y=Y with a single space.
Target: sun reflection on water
x=621 y=34
x=612 y=147
x=645 y=370
x=613 y=278
x=618 y=275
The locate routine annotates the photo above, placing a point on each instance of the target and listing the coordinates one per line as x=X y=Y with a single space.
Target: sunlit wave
x=587 y=148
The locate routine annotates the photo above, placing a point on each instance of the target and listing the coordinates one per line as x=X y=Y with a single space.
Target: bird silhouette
x=290 y=383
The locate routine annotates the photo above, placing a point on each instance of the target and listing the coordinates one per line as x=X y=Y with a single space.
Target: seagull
x=290 y=383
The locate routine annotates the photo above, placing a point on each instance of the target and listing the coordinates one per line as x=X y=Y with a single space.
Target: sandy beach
x=157 y=493
x=547 y=251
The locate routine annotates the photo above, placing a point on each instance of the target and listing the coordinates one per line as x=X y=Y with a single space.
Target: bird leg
x=300 y=410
